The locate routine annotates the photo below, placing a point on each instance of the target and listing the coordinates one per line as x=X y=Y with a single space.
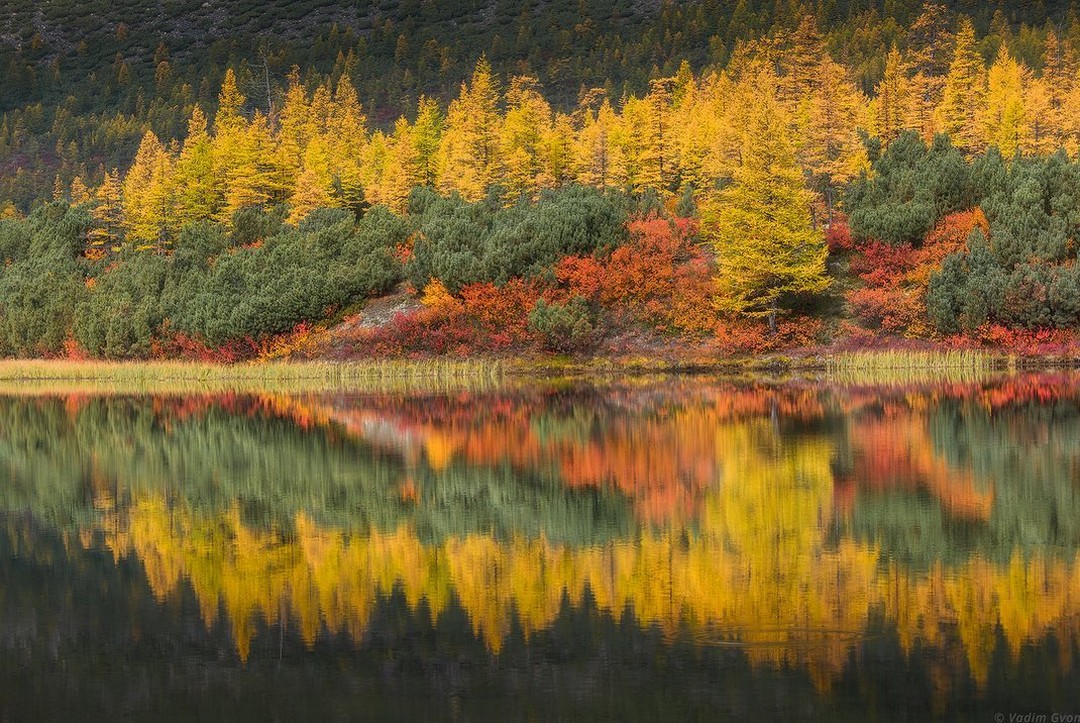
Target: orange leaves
x=752 y=336
x=896 y=278
x=661 y=278
x=486 y=318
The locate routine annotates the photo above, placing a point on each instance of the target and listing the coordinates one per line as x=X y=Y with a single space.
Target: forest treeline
x=768 y=201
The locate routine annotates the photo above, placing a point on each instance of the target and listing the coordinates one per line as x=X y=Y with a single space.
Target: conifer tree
x=197 y=194
x=1057 y=91
x=558 y=152
x=80 y=194
x=525 y=126
x=468 y=151
x=831 y=150
x=760 y=225
x=636 y=160
x=315 y=184
x=292 y=137
x=964 y=95
x=592 y=154
x=400 y=173
x=347 y=136
x=1004 y=118
x=893 y=93
x=148 y=198
x=240 y=160
x=230 y=106
x=426 y=135
x=107 y=213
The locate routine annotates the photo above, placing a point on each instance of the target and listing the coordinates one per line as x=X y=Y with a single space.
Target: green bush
x=565 y=327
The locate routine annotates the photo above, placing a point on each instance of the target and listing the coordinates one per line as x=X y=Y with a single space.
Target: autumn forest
x=797 y=187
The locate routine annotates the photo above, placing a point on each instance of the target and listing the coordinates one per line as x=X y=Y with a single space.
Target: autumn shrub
x=753 y=336
x=896 y=278
x=564 y=328
x=838 y=235
x=463 y=243
x=912 y=186
x=298 y=275
x=484 y=318
x=1060 y=342
x=41 y=283
x=661 y=278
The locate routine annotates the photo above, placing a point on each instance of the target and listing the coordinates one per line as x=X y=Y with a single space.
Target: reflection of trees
x=61 y=456
x=784 y=521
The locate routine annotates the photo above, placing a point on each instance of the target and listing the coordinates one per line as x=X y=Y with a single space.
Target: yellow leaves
x=1005 y=120
x=149 y=203
x=468 y=158
x=315 y=184
x=760 y=225
x=964 y=94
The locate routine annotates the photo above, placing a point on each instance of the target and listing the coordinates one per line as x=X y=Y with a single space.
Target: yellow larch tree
x=723 y=101
x=635 y=161
x=375 y=170
x=468 y=151
x=238 y=169
x=558 y=152
x=830 y=149
x=760 y=224
x=400 y=174
x=1057 y=90
x=921 y=112
x=1003 y=117
x=964 y=96
x=426 y=135
x=315 y=184
x=592 y=147
x=892 y=98
x=80 y=194
x=108 y=215
x=525 y=126
x=347 y=128
x=197 y=194
x=1039 y=134
x=148 y=198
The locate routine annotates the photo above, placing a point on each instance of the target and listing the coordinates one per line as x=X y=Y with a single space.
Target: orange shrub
x=893 y=298
x=752 y=336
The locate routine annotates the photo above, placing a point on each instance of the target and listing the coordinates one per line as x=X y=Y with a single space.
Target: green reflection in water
x=814 y=534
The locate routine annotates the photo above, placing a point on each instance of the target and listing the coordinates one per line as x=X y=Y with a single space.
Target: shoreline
x=479 y=373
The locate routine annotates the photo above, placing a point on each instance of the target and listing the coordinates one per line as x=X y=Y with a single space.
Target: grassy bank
x=34 y=375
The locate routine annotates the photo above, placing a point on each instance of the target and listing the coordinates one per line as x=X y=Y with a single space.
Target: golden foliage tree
x=760 y=225
x=468 y=151
x=964 y=95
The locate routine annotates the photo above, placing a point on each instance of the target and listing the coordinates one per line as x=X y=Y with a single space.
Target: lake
x=671 y=548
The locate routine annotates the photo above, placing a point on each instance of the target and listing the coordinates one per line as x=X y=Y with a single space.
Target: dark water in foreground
x=666 y=550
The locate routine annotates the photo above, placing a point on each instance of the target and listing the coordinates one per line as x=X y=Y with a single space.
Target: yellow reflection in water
x=756 y=570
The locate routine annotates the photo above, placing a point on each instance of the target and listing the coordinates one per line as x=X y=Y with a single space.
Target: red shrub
x=582 y=276
x=662 y=278
x=890 y=310
x=896 y=278
x=752 y=336
x=487 y=318
x=838 y=235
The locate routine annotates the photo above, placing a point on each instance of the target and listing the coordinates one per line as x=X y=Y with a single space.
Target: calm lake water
x=672 y=549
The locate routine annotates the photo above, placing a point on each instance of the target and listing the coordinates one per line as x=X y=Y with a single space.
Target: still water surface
x=672 y=549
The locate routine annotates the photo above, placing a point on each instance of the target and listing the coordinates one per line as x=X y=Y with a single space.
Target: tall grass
x=36 y=376
x=906 y=366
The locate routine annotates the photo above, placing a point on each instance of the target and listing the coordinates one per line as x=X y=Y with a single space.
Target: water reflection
x=799 y=527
